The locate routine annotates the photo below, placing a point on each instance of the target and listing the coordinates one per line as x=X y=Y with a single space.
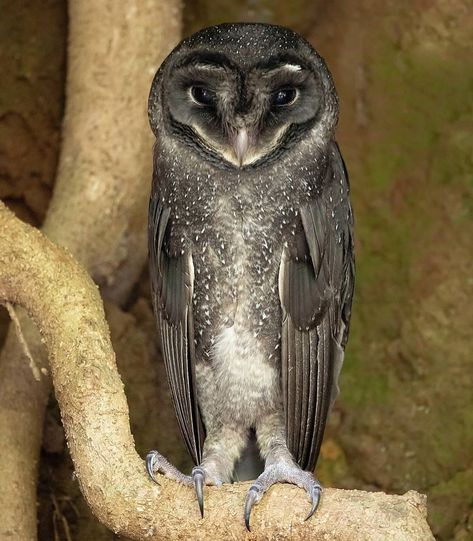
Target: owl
x=251 y=252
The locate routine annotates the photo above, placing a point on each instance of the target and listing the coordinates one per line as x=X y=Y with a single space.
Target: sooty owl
x=251 y=252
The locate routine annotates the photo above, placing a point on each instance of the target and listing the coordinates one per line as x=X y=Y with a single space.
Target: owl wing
x=316 y=283
x=172 y=282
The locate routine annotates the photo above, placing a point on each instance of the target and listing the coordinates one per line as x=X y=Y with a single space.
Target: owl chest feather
x=237 y=264
x=236 y=229
x=238 y=315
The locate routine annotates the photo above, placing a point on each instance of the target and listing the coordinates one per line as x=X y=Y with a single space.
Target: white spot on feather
x=292 y=67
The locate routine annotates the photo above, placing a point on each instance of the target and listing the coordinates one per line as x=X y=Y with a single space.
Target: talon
x=150 y=462
x=251 y=498
x=315 y=497
x=198 y=476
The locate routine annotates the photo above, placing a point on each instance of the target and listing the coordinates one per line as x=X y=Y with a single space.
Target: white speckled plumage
x=251 y=246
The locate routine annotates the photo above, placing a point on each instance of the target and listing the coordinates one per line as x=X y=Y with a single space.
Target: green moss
x=332 y=463
x=368 y=390
x=407 y=377
x=418 y=100
x=450 y=500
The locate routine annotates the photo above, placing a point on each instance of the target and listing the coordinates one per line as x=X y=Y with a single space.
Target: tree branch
x=66 y=305
x=100 y=201
x=98 y=208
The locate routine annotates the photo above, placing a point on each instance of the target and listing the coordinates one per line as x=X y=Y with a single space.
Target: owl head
x=241 y=95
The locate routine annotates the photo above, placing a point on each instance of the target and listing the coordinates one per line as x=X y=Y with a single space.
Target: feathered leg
x=222 y=447
x=280 y=466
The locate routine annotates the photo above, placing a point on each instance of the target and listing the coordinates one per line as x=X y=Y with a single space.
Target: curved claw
x=251 y=498
x=150 y=462
x=315 y=497
x=198 y=476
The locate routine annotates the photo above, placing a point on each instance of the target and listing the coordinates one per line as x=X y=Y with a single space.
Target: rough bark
x=98 y=208
x=66 y=305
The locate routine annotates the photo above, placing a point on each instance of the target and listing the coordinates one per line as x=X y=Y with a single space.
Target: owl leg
x=222 y=447
x=280 y=466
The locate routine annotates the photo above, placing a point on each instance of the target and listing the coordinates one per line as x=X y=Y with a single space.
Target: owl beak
x=241 y=144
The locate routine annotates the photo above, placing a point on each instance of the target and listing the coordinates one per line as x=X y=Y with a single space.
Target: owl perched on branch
x=251 y=252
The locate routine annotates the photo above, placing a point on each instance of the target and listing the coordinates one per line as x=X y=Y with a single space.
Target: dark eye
x=284 y=96
x=203 y=96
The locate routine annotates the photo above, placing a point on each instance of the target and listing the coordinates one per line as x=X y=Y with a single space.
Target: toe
x=151 y=459
x=314 y=494
x=252 y=497
x=155 y=462
x=198 y=476
x=282 y=472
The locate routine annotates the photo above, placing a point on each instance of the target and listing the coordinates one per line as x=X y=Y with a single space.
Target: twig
x=26 y=350
x=59 y=515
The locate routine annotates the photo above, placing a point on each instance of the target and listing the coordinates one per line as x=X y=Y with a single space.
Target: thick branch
x=66 y=305
x=100 y=200
x=98 y=208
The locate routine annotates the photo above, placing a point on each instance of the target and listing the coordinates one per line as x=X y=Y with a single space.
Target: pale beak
x=241 y=144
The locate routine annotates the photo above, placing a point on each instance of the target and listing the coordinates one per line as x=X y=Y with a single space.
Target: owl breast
x=237 y=310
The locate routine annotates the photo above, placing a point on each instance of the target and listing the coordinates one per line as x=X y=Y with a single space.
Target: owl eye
x=283 y=96
x=202 y=96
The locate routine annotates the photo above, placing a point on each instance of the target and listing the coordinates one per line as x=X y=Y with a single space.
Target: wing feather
x=172 y=283
x=316 y=287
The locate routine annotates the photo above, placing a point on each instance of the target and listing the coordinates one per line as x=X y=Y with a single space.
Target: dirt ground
x=404 y=419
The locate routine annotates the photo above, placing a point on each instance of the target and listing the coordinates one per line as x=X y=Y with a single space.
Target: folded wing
x=316 y=282
x=172 y=282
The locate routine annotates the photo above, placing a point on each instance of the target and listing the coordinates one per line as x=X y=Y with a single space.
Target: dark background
x=404 y=74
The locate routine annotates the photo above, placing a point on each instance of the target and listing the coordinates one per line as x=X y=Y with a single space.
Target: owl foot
x=155 y=462
x=282 y=472
x=203 y=475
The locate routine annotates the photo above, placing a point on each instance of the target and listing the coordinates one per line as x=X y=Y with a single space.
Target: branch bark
x=67 y=307
x=100 y=199
x=98 y=208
